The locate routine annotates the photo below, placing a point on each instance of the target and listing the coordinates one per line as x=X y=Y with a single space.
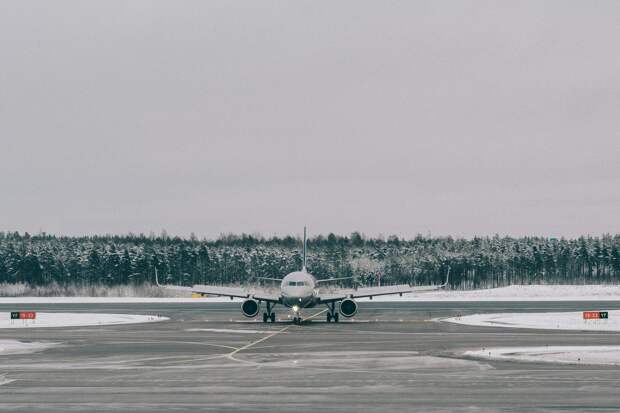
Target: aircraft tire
x=264 y=317
x=336 y=318
x=329 y=318
x=272 y=317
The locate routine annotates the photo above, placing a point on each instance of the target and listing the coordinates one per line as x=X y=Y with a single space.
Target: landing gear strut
x=331 y=313
x=269 y=315
x=296 y=314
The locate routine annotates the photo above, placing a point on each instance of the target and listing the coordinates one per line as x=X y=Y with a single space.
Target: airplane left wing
x=364 y=292
x=387 y=290
x=374 y=291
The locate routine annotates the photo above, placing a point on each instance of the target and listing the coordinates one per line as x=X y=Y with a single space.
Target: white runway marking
x=4 y=380
x=227 y=330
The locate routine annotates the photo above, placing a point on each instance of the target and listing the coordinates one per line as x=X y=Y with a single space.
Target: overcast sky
x=449 y=118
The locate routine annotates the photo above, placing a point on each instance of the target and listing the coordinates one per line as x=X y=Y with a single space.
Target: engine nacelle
x=250 y=308
x=348 y=307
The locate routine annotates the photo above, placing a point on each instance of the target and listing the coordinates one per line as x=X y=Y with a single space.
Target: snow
x=602 y=355
x=511 y=293
x=22 y=347
x=110 y=300
x=518 y=293
x=75 y=320
x=546 y=321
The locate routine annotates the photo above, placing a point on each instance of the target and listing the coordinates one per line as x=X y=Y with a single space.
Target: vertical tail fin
x=304 y=264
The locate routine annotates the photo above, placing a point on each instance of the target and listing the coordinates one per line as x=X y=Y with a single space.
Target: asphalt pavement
x=390 y=357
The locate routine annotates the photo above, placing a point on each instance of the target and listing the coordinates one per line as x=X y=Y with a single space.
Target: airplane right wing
x=232 y=292
x=236 y=292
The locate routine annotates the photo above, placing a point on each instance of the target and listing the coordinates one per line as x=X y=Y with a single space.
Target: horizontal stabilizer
x=333 y=279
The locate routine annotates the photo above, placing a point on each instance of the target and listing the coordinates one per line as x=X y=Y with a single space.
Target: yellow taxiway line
x=231 y=355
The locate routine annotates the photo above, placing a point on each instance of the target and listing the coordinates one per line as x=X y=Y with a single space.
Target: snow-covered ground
x=546 y=321
x=22 y=347
x=607 y=355
x=75 y=320
x=109 y=300
x=512 y=293
x=525 y=293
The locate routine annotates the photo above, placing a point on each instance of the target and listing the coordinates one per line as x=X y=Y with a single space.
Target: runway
x=207 y=357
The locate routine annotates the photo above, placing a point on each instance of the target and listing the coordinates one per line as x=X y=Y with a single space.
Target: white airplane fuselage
x=298 y=289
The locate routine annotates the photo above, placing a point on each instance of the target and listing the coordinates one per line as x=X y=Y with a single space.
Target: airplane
x=300 y=290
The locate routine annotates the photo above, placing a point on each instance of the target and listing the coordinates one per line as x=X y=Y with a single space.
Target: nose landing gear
x=296 y=315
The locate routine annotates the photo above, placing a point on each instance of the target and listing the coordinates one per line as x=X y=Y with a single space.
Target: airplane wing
x=232 y=292
x=387 y=290
x=364 y=292
x=265 y=296
x=374 y=291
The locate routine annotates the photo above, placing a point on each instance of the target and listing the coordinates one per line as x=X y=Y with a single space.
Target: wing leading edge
x=232 y=292
x=376 y=291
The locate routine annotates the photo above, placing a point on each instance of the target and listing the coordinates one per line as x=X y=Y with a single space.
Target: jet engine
x=348 y=307
x=250 y=307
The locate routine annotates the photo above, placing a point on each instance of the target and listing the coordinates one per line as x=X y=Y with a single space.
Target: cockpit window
x=296 y=283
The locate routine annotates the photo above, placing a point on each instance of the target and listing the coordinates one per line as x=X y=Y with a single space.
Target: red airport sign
x=595 y=315
x=23 y=315
x=27 y=315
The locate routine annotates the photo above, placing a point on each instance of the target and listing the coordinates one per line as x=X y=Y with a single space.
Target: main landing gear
x=269 y=315
x=332 y=315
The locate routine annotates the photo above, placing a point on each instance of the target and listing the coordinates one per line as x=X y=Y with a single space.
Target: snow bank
x=512 y=293
x=519 y=293
x=22 y=347
x=109 y=300
x=547 y=321
x=76 y=320
x=604 y=355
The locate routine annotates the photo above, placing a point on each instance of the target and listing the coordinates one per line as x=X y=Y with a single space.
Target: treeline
x=237 y=259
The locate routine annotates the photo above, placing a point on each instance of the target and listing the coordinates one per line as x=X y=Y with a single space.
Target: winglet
x=157 y=278
x=447 y=278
